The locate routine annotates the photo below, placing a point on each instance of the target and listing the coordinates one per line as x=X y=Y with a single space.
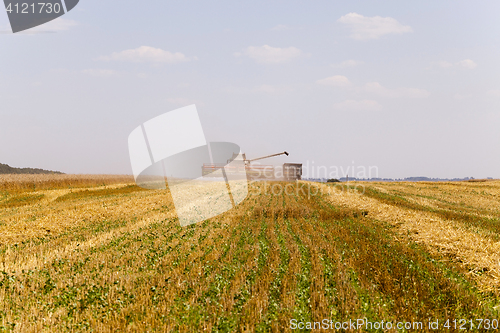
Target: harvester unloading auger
x=261 y=158
x=290 y=171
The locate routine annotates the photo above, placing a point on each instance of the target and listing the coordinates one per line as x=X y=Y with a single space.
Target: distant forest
x=408 y=179
x=6 y=169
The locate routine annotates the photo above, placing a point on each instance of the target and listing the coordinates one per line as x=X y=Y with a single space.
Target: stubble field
x=97 y=253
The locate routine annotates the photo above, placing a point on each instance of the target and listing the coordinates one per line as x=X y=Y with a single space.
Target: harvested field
x=81 y=255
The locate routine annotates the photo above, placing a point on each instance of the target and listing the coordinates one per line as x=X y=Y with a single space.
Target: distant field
x=32 y=182
x=97 y=253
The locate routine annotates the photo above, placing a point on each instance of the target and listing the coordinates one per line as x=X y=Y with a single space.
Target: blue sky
x=412 y=88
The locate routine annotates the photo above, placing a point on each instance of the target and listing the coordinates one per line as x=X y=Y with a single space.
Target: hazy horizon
x=412 y=89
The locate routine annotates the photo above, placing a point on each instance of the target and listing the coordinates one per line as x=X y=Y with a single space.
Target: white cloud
x=272 y=89
x=467 y=63
x=100 y=72
x=281 y=27
x=284 y=27
x=375 y=88
x=362 y=105
x=59 y=24
x=444 y=64
x=266 y=88
x=413 y=92
x=493 y=92
x=271 y=55
x=235 y=90
x=460 y=97
x=261 y=89
x=182 y=101
x=363 y=27
x=348 y=63
x=336 y=81
x=147 y=54
x=379 y=90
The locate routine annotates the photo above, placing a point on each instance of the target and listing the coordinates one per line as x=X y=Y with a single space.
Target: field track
x=106 y=256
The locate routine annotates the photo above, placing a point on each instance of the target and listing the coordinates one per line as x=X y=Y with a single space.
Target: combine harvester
x=290 y=171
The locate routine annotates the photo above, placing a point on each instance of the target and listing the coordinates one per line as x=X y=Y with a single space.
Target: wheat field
x=97 y=253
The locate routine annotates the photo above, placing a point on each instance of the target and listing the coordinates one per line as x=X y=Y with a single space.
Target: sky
x=398 y=88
